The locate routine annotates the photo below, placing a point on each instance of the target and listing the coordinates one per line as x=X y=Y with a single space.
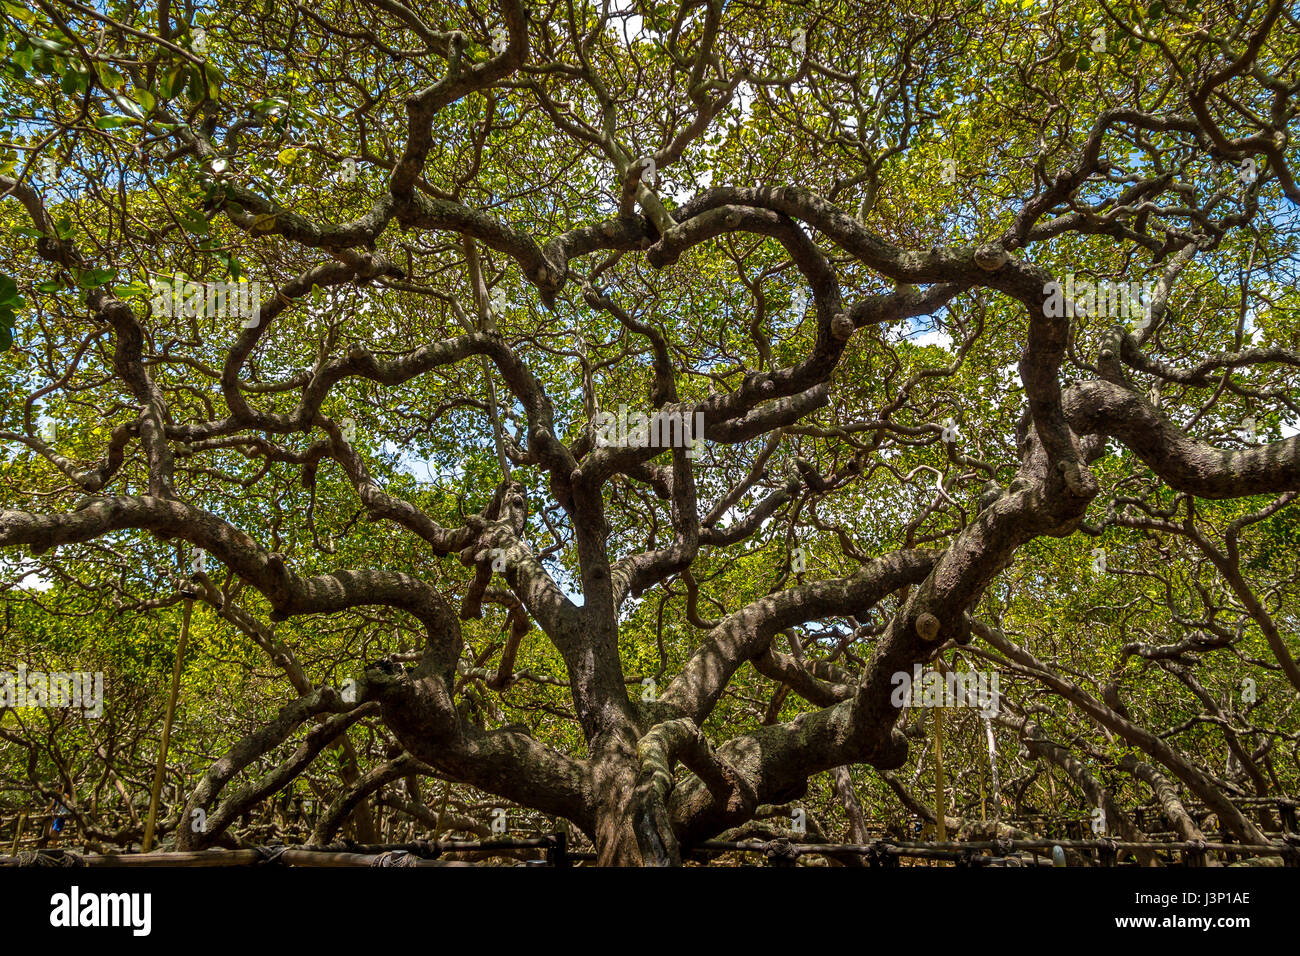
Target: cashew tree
x=594 y=408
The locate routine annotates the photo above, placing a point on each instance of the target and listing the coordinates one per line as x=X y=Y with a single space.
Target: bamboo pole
x=161 y=768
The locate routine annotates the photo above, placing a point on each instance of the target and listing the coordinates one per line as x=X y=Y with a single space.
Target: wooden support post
x=940 y=796
x=161 y=769
x=19 y=824
x=557 y=853
x=439 y=824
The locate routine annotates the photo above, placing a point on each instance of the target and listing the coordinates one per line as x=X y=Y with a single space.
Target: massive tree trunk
x=632 y=826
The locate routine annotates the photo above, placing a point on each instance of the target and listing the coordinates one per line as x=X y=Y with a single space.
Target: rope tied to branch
x=50 y=858
x=781 y=852
x=396 y=858
x=270 y=855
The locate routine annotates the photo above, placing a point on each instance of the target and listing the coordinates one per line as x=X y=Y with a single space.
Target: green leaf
x=132 y=290
x=213 y=78
x=170 y=81
x=196 y=88
x=45 y=43
x=109 y=78
x=20 y=12
x=10 y=302
x=72 y=82
x=178 y=78
x=95 y=278
x=127 y=106
x=194 y=223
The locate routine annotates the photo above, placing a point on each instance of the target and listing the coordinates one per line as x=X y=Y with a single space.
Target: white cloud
x=936 y=336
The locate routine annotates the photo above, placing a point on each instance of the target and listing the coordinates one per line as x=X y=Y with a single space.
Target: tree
x=638 y=342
